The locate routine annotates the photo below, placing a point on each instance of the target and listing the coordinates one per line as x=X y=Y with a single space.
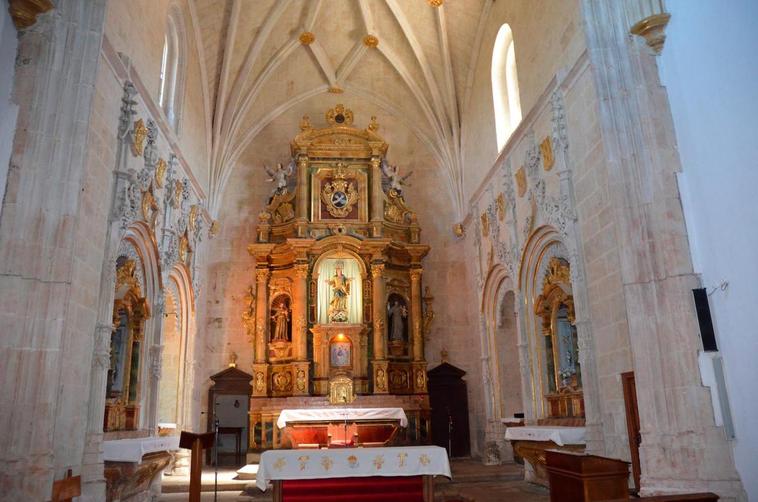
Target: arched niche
x=176 y=325
x=130 y=313
x=325 y=276
x=397 y=312
x=549 y=326
x=137 y=291
x=502 y=344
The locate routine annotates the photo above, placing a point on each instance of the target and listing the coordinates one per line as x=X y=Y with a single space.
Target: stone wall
x=59 y=217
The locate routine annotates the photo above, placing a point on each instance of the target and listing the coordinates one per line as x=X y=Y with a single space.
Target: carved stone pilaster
x=155 y=355
x=101 y=355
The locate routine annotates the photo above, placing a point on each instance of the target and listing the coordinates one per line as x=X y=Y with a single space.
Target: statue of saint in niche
x=397 y=312
x=280 y=319
x=340 y=285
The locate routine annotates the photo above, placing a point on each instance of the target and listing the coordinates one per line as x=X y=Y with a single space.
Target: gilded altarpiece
x=336 y=305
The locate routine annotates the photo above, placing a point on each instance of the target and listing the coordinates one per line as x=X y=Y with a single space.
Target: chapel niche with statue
x=337 y=314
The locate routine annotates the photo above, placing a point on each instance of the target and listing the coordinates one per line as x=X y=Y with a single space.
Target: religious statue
x=340 y=285
x=396 y=181
x=281 y=320
x=280 y=176
x=397 y=312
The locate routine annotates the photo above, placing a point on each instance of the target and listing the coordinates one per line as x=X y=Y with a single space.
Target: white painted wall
x=8 y=110
x=710 y=68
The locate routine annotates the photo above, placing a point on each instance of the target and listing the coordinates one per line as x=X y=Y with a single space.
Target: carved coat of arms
x=339 y=196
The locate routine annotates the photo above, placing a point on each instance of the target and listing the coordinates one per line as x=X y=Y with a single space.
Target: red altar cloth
x=368 y=489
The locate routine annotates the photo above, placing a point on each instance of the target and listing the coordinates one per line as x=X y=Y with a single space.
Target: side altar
x=337 y=315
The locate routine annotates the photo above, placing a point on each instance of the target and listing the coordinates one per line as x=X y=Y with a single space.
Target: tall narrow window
x=505 y=92
x=172 y=68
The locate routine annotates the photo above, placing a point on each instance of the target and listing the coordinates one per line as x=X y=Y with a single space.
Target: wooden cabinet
x=586 y=478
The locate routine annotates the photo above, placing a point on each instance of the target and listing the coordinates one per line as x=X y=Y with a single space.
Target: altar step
x=473 y=471
x=228 y=481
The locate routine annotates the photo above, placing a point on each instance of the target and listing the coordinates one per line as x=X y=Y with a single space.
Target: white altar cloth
x=558 y=435
x=337 y=414
x=132 y=450
x=352 y=462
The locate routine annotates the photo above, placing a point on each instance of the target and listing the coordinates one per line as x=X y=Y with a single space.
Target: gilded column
x=380 y=328
x=299 y=306
x=302 y=187
x=377 y=196
x=261 y=314
x=416 y=315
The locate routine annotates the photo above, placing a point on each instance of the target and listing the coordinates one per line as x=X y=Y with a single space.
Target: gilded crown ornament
x=339 y=115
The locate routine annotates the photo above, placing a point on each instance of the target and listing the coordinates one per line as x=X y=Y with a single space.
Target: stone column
x=416 y=315
x=378 y=300
x=47 y=220
x=640 y=162
x=261 y=313
x=377 y=197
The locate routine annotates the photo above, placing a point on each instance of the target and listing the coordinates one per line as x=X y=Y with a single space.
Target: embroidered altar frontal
x=352 y=463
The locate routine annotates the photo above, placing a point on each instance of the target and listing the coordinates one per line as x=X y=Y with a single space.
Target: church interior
x=409 y=250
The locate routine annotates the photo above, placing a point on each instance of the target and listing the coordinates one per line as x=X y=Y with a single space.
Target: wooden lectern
x=197 y=443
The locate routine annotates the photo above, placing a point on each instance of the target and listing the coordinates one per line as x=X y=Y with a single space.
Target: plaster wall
x=547 y=37
x=8 y=107
x=714 y=100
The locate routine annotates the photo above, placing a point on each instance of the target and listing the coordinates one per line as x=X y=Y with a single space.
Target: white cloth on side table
x=352 y=463
x=133 y=449
x=338 y=414
x=558 y=435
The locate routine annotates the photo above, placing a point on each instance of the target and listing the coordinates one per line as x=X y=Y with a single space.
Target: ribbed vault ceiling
x=259 y=62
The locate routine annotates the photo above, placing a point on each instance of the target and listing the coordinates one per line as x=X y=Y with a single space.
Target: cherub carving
x=280 y=176
x=396 y=182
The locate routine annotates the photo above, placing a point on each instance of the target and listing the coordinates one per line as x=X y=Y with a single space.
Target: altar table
x=557 y=434
x=399 y=473
x=133 y=449
x=530 y=442
x=341 y=414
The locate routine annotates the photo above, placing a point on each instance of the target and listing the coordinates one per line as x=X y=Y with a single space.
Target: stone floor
x=472 y=482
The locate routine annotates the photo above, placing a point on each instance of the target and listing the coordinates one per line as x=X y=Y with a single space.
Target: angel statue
x=280 y=176
x=396 y=181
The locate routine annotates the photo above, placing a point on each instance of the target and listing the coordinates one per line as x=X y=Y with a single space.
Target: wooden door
x=448 y=398
x=632 y=424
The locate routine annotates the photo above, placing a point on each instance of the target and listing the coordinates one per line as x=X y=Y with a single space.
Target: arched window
x=505 y=91
x=172 y=68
